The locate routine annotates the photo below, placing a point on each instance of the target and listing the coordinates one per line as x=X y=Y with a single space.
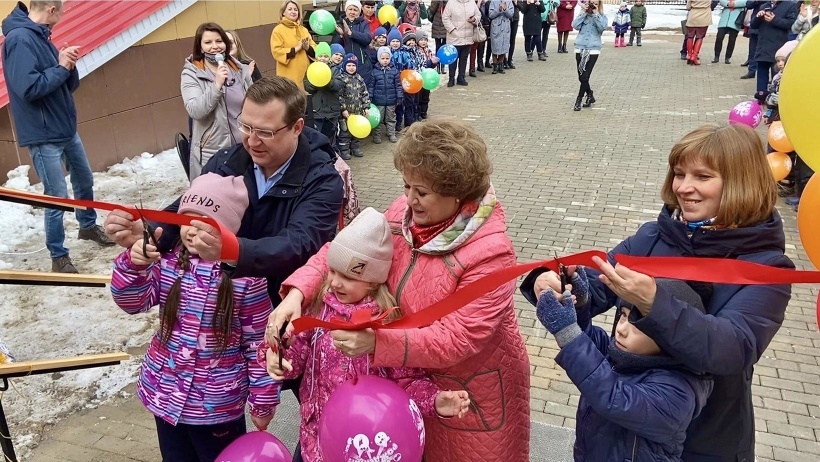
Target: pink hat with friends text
x=223 y=198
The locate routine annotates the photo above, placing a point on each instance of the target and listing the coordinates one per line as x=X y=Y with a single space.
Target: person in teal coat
x=732 y=9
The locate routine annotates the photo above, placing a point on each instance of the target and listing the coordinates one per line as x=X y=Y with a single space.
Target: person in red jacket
x=449 y=230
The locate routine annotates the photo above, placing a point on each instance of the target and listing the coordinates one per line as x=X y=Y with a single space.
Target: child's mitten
x=558 y=317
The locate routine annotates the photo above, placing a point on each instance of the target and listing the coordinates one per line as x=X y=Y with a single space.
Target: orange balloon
x=808 y=220
x=411 y=81
x=781 y=165
x=777 y=138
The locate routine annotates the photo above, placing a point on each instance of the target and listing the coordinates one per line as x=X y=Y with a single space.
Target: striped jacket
x=186 y=380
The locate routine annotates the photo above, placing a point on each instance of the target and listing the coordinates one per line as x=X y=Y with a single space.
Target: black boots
x=542 y=56
x=577 y=104
x=495 y=68
x=501 y=68
x=590 y=100
x=716 y=59
x=529 y=56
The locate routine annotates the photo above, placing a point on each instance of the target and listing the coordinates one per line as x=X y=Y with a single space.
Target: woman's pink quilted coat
x=478 y=348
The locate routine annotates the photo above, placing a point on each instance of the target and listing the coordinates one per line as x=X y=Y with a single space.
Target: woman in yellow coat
x=291 y=44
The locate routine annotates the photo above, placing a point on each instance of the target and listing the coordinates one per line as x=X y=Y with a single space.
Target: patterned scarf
x=411 y=14
x=458 y=230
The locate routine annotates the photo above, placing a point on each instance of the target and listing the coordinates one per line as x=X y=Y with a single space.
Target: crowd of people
x=671 y=382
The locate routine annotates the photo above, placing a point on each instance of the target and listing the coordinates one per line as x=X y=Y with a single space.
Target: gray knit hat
x=363 y=250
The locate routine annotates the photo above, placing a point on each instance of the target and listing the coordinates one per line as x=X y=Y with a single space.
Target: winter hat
x=350 y=58
x=380 y=31
x=394 y=34
x=223 y=198
x=420 y=35
x=786 y=49
x=408 y=34
x=383 y=50
x=623 y=5
x=355 y=3
x=363 y=250
x=337 y=49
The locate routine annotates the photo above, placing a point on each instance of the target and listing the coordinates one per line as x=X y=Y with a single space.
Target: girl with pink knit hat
x=200 y=368
x=359 y=259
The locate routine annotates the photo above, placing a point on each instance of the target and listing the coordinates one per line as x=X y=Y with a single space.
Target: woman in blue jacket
x=590 y=24
x=732 y=9
x=719 y=200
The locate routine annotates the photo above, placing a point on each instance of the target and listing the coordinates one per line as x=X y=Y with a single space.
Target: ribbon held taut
x=230 y=244
x=714 y=270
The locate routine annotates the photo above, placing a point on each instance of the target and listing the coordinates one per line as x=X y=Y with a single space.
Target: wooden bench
x=47 y=366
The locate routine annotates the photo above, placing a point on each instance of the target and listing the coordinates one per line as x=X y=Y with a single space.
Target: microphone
x=220 y=59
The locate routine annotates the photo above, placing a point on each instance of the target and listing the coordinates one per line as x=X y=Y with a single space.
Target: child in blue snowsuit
x=636 y=401
x=621 y=24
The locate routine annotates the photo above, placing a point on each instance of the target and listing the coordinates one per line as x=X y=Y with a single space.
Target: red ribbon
x=230 y=244
x=715 y=270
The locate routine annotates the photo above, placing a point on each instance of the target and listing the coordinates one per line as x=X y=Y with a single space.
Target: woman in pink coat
x=449 y=230
x=565 y=13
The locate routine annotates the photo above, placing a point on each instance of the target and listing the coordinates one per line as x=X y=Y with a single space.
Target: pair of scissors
x=562 y=273
x=280 y=343
x=147 y=231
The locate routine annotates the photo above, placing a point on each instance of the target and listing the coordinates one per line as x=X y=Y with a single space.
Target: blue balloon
x=447 y=54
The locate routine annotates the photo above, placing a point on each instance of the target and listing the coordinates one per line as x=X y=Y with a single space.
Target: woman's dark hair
x=223 y=314
x=197 y=55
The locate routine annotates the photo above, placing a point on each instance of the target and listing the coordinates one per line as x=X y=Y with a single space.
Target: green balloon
x=322 y=22
x=374 y=116
x=322 y=49
x=430 y=79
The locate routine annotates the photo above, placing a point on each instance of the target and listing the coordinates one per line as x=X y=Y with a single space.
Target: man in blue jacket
x=40 y=81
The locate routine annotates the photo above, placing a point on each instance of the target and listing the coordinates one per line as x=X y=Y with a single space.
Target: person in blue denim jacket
x=590 y=25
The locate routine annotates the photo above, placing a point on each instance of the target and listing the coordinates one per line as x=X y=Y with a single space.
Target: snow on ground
x=40 y=322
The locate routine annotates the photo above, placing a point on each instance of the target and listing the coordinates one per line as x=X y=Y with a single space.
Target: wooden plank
x=53 y=365
x=53 y=279
x=14 y=195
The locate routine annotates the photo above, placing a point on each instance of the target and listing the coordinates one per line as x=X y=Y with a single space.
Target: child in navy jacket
x=385 y=92
x=636 y=402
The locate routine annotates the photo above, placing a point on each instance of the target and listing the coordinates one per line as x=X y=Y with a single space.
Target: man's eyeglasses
x=260 y=133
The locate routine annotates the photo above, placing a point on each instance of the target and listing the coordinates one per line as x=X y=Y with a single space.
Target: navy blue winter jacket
x=357 y=43
x=622 y=416
x=384 y=86
x=292 y=221
x=39 y=88
x=727 y=341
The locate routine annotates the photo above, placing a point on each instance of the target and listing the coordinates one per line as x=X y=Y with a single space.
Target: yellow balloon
x=319 y=74
x=799 y=99
x=358 y=126
x=388 y=14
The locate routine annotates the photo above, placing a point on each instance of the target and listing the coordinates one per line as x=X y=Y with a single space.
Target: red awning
x=92 y=23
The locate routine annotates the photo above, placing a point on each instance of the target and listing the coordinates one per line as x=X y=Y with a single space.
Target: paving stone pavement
x=569 y=181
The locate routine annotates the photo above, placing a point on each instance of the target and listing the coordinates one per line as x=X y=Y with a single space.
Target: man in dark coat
x=295 y=193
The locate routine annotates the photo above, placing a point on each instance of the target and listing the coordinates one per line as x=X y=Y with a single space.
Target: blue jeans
x=48 y=161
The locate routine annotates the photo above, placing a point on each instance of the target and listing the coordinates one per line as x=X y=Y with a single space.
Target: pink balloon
x=255 y=446
x=746 y=113
x=372 y=419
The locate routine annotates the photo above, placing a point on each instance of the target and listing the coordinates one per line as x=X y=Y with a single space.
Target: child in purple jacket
x=200 y=367
x=359 y=259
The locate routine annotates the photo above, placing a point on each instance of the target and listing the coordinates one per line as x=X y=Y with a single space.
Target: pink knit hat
x=786 y=49
x=363 y=250
x=223 y=198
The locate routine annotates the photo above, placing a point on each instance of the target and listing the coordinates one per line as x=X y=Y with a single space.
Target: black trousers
x=532 y=43
x=584 y=74
x=463 y=59
x=730 y=47
x=196 y=443
x=513 y=33
x=545 y=33
x=424 y=104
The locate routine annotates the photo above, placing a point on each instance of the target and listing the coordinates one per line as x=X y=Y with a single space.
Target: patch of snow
x=51 y=322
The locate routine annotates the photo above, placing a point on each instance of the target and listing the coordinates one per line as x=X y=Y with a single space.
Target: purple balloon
x=255 y=446
x=371 y=419
x=746 y=113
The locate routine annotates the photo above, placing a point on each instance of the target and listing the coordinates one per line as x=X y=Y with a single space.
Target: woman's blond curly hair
x=449 y=154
